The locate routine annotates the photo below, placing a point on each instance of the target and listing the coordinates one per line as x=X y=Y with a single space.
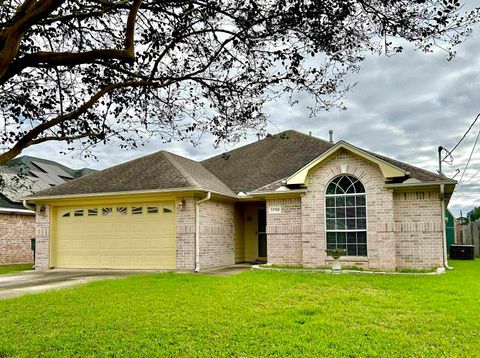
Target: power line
x=460 y=141
x=470 y=157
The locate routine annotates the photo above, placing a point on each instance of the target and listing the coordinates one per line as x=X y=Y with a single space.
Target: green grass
x=256 y=313
x=4 y=269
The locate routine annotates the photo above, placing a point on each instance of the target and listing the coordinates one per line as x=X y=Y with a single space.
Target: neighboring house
x=283 y=199
x=23 y=176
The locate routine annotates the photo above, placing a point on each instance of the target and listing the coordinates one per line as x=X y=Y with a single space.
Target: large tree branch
x=55 y=59
x=31 y=136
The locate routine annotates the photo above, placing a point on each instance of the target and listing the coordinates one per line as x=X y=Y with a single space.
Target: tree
x=88 y=71
x=474 y=214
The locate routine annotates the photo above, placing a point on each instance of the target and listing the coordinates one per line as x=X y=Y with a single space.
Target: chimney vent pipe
x=330 y=132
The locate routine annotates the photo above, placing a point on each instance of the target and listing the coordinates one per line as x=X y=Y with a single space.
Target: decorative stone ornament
x=336 y=254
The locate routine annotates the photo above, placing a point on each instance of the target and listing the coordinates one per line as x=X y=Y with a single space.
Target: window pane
x=360 y=200
x=340 y=224
x=352 y=250
x=330 y=213
x=361 y=212
x=341 y=246
x=331 y=238
x=331 y=224
x=359 y=187
x=344 y=183
x=331 y=246
x=167 y=210
x=351 y=224
x=331 y=188
x=107 y=211
x=351 y=238
x=341 y=237
x=340 y=200
x=361 y=224
x=362 y=250
x=350 y=212
x=137 y=210
x=66 y=215
x=350 y=201
x=340 y=212
x=362 y=237
x=78 y=212
x=330 y=202
x=93 y=212
x=122 y=210
x=152 y=210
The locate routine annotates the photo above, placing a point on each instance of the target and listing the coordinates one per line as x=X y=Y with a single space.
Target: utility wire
x=460 y=141
x=470 y=157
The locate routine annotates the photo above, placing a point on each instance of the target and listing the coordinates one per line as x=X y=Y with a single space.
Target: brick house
x=284 y=200
x=23 y=176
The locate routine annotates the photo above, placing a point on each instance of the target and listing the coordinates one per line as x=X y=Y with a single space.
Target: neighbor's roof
x=259 y=166
x=157 y=171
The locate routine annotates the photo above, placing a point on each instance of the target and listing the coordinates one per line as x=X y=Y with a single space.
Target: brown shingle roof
x=261 y=165
x=161 y=170
x=264 y=163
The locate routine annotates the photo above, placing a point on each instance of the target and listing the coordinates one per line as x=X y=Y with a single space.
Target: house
x=23 y=176
x=283 y=200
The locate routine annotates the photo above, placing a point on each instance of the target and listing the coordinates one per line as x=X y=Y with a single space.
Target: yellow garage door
x=130 y=236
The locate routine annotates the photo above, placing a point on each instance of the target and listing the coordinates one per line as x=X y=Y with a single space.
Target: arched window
x=346 y=215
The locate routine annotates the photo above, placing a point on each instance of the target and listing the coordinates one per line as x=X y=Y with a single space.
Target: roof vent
x=282 y=188
x=242 y=194
x=330 y=133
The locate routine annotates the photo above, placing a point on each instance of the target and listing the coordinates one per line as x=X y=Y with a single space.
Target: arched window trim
x=345 y=232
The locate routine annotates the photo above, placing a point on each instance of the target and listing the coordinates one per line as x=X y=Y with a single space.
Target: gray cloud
x=403 y=106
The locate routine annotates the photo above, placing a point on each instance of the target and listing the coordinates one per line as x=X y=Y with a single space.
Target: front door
x=262 y=233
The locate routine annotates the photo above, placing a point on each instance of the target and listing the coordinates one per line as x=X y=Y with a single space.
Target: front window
x=346 y=215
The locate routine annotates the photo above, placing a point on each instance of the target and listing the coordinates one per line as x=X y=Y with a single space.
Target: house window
x=152 y=209
x=66 y=214
x=121 y=210
x=137 y=210
x=78 y=212
x=346 y=215
x=92 y=212
x=106 y=211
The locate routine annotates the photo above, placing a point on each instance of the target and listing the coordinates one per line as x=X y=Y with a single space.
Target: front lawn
x=252 y=314
x=4 y=269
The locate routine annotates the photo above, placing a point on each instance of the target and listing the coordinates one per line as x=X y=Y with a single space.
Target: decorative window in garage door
x=346 y=215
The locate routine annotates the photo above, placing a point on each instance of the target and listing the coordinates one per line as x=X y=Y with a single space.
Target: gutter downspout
x=197 y=230
x=28 y=206
x=444 y=233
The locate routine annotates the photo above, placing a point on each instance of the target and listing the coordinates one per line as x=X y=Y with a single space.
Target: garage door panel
x=117 y=240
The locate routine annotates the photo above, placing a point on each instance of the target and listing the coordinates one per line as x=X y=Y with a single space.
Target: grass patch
x=4 y=269
x=256 y=313
x=416 y=270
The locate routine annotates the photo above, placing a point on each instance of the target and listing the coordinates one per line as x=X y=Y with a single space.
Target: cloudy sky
x=403 y=107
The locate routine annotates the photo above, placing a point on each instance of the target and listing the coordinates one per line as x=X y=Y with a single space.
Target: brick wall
x=15 y=234
x=217 y=234
x=185 y=222
x=284 y=232
x=42 y=235
x=418 y=229
x=403 y=230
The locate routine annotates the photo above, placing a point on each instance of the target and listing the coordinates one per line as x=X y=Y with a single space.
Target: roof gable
x=388 y=170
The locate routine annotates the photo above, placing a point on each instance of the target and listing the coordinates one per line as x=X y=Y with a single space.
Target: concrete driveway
x=18 y=284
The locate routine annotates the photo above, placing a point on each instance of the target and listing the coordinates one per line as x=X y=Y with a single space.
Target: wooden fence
x=469 y=234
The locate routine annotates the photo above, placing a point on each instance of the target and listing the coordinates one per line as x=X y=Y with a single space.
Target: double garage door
x=120 y=236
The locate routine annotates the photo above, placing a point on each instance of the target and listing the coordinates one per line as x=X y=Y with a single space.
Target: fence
x=469 y=234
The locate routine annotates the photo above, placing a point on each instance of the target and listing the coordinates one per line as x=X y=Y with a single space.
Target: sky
x=403 y=107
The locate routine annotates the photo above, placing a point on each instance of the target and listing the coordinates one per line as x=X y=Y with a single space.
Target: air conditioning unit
x=462 y=252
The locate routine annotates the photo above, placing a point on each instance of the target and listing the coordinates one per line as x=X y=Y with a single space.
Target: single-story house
x=23 y=176
x=284 y=200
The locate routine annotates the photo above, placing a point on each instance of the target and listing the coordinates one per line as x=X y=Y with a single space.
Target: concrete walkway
x=227 y=270
x=18 y=284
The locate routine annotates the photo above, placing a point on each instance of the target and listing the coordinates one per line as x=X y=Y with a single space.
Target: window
x=78 y=212
x=121 y=210
x=93 y=212
x=107 y=211
x=66 y=214
x=137 y=210
x=152 y=209
x=346 y=215
x=167 y=210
